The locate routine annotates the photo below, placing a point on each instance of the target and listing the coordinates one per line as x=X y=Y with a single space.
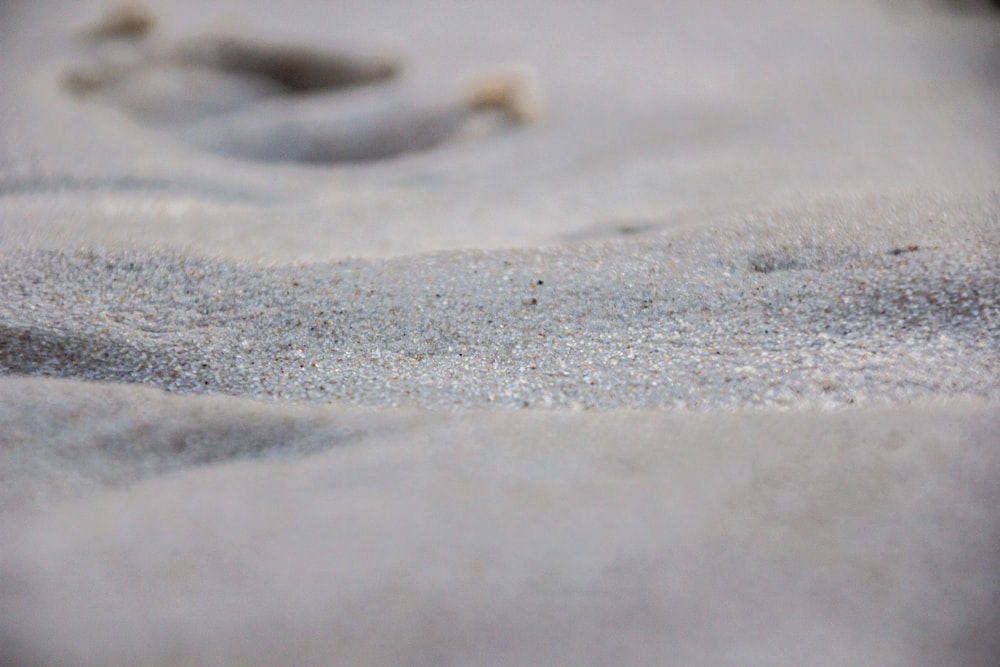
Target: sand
x=533 y=333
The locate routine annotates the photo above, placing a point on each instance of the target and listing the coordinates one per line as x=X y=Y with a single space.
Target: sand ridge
x=819 y=312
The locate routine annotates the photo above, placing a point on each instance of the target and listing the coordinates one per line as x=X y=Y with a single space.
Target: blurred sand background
x=697 y=364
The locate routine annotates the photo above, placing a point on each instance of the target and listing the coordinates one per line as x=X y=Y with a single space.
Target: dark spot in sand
x=769 y=262
x=126 y=21
x=635 y=228
x=297 y=68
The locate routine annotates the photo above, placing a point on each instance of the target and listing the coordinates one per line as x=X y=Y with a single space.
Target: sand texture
x=522 y=333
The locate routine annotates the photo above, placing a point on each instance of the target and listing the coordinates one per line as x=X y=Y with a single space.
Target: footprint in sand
x=250 y=98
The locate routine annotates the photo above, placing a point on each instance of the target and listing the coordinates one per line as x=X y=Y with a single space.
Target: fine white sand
x=569 y=333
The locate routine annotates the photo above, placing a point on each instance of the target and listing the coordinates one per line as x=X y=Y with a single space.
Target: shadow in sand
x=253 y=98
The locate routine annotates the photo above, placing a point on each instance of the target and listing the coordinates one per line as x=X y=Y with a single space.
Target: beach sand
x=520 y=333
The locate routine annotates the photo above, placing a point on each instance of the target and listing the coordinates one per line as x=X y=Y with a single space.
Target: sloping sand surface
x=502 y=537
x=500 y=333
